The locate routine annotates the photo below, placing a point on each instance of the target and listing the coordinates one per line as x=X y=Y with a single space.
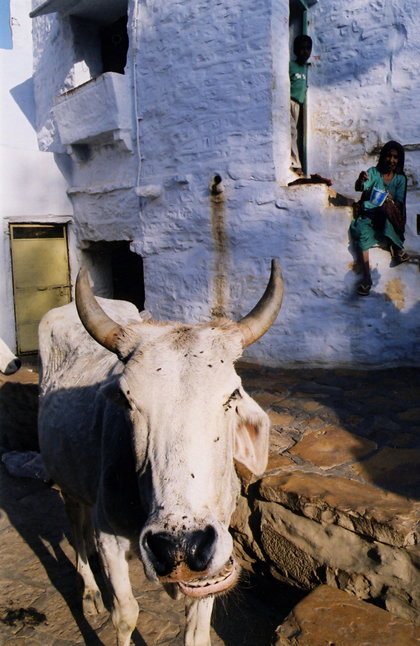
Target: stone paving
x=345 y=450
x=360 y=425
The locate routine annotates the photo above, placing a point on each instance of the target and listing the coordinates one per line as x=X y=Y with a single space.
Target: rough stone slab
x=385 y=516
x=292 y=563
x=281 y=440
x=276 y=461
x=312 y=424
x=331 y=447
x=412 y=415
x=330 y=617
x=266 y=399
x=311 y=553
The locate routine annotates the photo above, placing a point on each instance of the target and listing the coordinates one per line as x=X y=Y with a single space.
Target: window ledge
x=97 y=112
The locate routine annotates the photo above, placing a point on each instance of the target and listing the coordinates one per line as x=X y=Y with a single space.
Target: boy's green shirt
x=298 y=86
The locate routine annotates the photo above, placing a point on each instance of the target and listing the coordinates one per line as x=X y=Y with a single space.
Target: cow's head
x=190 y=418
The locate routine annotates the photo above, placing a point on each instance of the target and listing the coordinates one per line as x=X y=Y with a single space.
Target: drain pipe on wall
x=135 y=36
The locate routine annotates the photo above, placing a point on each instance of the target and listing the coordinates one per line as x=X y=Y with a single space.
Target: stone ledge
x=309 y=529
x=362 y=508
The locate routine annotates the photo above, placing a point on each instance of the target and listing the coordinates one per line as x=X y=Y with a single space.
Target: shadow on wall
x=374 y=42
x=23 y=95
x=382 y=313
x=358 y=269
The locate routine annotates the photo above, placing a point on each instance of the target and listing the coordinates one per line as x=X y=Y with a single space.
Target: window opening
x=100 y=36
x=100 y=46
x=114 y=46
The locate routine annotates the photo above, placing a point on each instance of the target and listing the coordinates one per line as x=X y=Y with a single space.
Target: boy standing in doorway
x=302 y=48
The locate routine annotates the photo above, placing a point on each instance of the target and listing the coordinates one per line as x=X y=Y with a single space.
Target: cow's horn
x=102 y=328
x=260 y=319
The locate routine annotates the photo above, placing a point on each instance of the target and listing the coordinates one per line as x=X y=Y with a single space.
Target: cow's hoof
x=92 y=603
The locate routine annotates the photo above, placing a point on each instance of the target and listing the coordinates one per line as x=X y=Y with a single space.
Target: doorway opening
x=117 y=271
x=298 y=26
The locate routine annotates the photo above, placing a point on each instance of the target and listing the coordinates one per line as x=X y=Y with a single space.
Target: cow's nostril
x=167 y=551
x=201 y=548
x=164 y=552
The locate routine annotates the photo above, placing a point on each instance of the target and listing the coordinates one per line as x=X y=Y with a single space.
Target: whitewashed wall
x=214 y=96
x=210 y=97
x=364 y=91
x=32 y=185
x=364 y=85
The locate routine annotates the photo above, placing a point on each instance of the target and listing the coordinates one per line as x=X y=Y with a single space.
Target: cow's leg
x=125 y=609
x=198 y=616
x=80 y=520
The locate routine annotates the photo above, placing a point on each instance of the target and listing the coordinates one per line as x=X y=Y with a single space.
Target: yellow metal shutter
x=41 y=278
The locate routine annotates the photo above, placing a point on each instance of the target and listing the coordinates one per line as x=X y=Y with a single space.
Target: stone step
x=330 y=617
x=312 y=529
x=359 y=507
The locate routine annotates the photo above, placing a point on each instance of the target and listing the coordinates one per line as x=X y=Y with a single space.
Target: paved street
x=38 y=601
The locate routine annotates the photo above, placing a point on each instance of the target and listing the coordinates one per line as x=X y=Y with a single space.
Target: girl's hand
x=361 y=180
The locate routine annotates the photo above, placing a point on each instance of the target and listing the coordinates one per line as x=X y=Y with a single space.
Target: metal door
x=41 y=279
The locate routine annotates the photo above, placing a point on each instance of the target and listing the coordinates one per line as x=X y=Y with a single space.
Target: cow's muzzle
x=180 y=555
x=184 y=559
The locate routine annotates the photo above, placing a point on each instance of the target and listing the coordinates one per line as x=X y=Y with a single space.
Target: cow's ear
x=251 y=435
x=112 y=390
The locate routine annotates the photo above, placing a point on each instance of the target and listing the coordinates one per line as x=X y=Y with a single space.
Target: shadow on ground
x=39 y=604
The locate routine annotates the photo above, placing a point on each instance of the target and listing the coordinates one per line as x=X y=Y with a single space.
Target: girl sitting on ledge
x=374 y=222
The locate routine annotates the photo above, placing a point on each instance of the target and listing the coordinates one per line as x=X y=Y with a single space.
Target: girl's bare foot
x=298 y=171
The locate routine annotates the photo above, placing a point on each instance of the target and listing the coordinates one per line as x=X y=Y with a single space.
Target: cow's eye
x=235 y=395
x=116 y=393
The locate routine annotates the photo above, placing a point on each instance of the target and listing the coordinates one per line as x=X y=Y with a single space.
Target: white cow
x=144 y=432
x=8 y=362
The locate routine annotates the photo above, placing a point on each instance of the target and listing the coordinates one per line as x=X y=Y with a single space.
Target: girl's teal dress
x=369 y=227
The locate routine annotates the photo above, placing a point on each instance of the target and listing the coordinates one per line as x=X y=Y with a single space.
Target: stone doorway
x=117 y=271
